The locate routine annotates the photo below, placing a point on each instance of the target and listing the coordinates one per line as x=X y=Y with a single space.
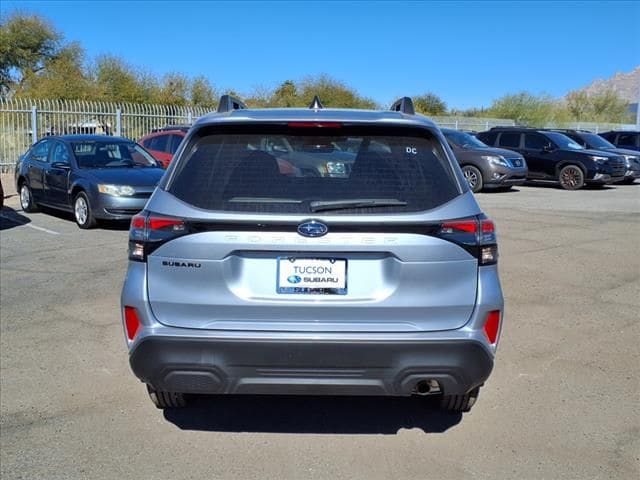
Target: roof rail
x=228 y=103
x=316 y=104
x=404 y=105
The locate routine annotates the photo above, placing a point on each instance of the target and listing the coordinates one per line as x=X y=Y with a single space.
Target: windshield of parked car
x=104 y=154
x=463 y=139
x=306 y=170
x=562 y=141
x=596 y=141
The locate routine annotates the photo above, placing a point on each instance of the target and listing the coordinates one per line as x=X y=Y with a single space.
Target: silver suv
x=313 y=251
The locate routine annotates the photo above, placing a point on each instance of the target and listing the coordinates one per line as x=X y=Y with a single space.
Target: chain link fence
x=24 y=121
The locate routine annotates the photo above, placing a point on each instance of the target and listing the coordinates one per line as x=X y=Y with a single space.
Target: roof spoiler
x=404 y=105
x=228 y=103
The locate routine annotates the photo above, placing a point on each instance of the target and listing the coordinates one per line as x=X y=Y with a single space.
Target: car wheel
x=459 y=403
x=26 y=199
x=571 y=177
x=164 y=400
x=473 y=177
x=629 y=180
x=82 y=211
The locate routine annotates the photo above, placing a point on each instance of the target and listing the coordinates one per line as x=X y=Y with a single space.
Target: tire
x=164 y=400
x=82 y=213
x=473 y=177
x=459 y=403
x=628 y=180
x=571 y=177
x=26 y=198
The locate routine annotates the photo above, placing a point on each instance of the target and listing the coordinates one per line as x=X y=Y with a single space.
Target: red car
x=162 y=144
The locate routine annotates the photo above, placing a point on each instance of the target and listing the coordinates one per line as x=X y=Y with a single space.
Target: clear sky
x=469 y=53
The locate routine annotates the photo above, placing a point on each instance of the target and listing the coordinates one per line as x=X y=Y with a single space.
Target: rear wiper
x=320 y=205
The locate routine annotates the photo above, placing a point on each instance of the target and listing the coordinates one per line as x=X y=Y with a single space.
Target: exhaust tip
x=427 y=387
x=423 y=387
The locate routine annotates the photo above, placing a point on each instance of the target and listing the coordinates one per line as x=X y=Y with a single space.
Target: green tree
x=27 y=44
x=62 y=78
x=202 y=94
x=430 y=104
x=174 y=90
x=117 y=81
x=578 y=105
x=525 y=109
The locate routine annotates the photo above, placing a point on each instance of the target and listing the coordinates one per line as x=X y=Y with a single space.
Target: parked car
x=484 y=166
x=243 y=279
x=595 y=142
x=552 y=156
x=163 y=143
x=629 y=140
x=93 y=176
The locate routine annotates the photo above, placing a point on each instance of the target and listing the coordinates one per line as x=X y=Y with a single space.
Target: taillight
x=148 y=231
x=131 y=322
x=492 y=326
x=476 y=235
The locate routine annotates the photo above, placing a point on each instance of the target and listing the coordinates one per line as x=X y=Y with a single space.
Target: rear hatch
x=304 y=228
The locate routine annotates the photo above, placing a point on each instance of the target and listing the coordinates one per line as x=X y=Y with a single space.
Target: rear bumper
x=294 y=366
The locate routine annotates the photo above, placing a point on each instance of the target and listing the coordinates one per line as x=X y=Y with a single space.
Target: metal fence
x=24 y=121
x=472 y=123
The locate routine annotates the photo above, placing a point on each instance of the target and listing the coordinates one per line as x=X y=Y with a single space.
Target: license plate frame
x=341 y=289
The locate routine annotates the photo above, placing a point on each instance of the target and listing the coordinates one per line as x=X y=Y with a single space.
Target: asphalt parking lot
x=563 y=401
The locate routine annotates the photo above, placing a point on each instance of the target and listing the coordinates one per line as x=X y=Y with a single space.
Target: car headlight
x=495 y=160
x=116 y=190
x=631 y=159
x=596 y=158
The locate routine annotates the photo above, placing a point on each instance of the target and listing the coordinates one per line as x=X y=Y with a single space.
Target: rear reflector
x=492 y=326
x=131 y=322
x=315 y=125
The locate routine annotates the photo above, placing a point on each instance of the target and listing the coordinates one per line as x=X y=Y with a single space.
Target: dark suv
x=552 y=156
x=623 y=139
x=596 y=142
x=483 y=166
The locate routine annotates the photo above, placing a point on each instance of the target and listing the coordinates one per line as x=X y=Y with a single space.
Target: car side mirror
x=61 y=165
x=548 y=148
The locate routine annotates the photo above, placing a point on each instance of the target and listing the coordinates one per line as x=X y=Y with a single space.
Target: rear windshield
x=307 y=170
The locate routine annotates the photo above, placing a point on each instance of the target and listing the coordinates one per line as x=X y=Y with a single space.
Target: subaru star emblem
x=294 y=279
x=312 y=229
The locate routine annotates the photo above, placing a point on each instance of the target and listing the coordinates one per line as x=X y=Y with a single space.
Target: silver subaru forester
x=313 y=251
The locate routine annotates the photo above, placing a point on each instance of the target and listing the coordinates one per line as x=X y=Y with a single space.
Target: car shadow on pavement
x=10 y=218
x=556 y=186
x=306 y=414
x=121 y=225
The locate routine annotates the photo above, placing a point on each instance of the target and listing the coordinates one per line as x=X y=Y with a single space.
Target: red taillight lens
x=315 y=125
x=459 y=226
x=161 y=223
x=138 y=221
x=487 y=226
x=131 y=322
x=492 y=326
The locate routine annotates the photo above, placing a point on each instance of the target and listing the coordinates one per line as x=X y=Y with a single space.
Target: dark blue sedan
x=95 y=177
